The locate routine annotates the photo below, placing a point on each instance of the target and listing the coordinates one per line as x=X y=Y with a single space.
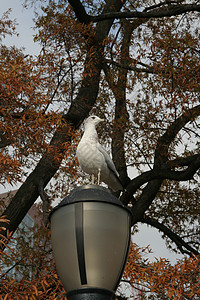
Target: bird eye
x=93 y=118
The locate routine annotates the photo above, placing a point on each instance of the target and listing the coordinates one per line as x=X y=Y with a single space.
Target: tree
x=136 y=64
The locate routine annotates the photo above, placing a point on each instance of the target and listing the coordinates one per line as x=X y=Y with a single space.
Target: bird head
x=92 y=120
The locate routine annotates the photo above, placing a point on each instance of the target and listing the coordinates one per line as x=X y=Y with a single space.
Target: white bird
x=93 y=158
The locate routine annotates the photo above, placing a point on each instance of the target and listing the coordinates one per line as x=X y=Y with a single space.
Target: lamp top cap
x=87 y=193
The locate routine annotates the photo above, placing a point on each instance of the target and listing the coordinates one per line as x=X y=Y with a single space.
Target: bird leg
x=98 y=177
x=92 y=178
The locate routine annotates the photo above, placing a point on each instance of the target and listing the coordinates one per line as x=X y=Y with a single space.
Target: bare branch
x=167 y=138
x=164 y=172
x=165 y=11
x=147 y=69
x=184 y=247
x=162 y=4
x=142 y=152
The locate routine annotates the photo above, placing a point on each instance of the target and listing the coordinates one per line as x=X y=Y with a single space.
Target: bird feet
x=92 y=178
x=98 y=177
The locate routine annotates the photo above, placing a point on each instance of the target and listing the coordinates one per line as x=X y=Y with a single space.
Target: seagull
x=94 y=159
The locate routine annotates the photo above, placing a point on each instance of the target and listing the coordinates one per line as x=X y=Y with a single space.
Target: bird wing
x=108 y=159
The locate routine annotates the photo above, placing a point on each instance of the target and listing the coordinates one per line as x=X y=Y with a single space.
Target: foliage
x=160 y=279
x=26 y=121
x=136 y=65
x=28 y=269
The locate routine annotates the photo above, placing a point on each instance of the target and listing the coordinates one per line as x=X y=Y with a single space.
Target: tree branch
x=161 y=169
x=158 y=70
x=165 y=11
x=80 y=11
x=161 y=152
x=147 y=69
x=180 y=243
x=104 y=27
x=164 y=172
x=162 y=4
x=148 y=195
x=119 y=90
x=183 y=161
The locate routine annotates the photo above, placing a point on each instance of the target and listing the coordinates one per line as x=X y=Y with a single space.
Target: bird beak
x=101 y=120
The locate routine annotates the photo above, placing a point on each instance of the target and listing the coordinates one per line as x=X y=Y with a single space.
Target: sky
x=146 y=235
x=24 y=18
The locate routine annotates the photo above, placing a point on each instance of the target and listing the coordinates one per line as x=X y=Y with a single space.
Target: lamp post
x=90 y=233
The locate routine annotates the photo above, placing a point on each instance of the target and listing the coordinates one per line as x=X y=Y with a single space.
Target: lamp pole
x=90 y=233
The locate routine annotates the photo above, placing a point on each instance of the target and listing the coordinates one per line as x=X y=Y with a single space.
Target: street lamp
x=90 y=233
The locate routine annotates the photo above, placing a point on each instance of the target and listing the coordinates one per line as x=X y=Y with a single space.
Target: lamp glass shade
x=90 y=242
x=63 y=238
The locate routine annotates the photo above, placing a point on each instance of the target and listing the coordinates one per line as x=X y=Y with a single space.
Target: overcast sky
x=24 y=19
x=146 y=236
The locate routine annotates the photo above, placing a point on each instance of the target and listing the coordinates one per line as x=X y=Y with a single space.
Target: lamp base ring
x=91 y=294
